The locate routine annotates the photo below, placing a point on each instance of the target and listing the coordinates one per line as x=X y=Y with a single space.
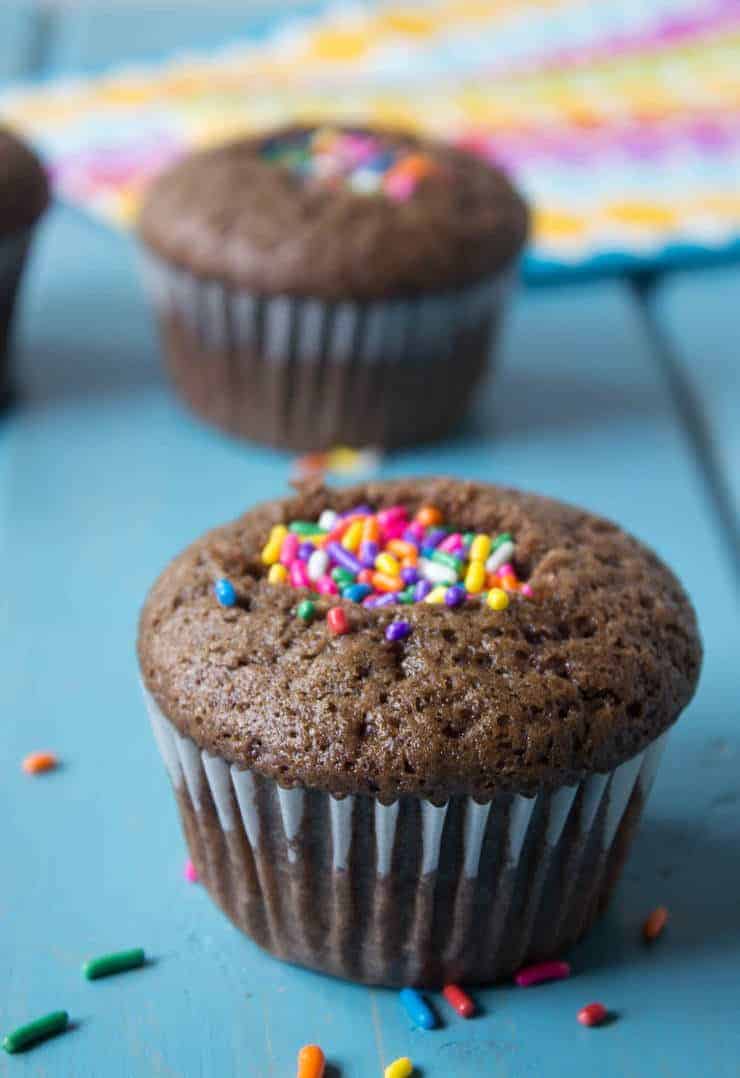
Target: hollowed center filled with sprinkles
x=390 y=557
x=364 y=162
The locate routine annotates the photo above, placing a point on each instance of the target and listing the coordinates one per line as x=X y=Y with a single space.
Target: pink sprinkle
x=506 y=570
x=543 y=971
x=394 y=530
x=191 y=872
x=451 y=543
x=289 y=549
x=399 y=186
x=416 y=529
x=527 y=590
x=299 y=577
x=326 y=586
x=395 y=512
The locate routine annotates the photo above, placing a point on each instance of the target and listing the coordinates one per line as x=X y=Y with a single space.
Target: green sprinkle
x=306 y=611
x=32 y=1032
x=306 y=527
x=407 y=596
x=468 y=537
x=113 y=963
x=342 y=577
x=504 y=537
x=443 y=558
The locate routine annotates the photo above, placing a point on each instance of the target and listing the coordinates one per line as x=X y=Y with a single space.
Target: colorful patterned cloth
x=621 y=120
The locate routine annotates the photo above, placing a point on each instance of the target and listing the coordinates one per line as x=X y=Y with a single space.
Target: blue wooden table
x=623 y=397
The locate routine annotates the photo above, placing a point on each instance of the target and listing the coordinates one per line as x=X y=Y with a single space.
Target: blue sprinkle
x=225 y=592
x=417 y=1008
x=356 y=592
x=455 y=595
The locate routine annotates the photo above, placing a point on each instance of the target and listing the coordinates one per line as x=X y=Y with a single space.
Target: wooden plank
x=20 y=29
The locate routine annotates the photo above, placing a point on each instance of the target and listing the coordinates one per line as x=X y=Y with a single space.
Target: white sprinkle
x=328 y=519
x=500 y=557
x=365 y=182
x=436 y=573
x=317 y=565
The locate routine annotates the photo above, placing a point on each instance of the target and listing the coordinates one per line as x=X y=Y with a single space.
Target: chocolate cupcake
x=411 y=726
x=330 y=286
x=24 y=195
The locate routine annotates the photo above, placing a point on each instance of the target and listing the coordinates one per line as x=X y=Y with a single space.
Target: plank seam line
x=693 y=419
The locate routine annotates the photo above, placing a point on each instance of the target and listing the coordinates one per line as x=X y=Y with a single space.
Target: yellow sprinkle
x=278 y=574
x=475 y=577
x=386 y=563
x=271 y=549
x=399 y=1068
x=480 y=548
x=352 y=536
x=436 y=595
x=497 y=599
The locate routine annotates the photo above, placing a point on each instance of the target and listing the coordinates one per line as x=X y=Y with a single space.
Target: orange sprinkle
x=36 y=762
x=655 y=924
x=429 y=515
x=417 y=165
x=509 y=582
x=411 y=562
x=370 y=530
x=311 y=1062
x=384 y=582
x=402 y=549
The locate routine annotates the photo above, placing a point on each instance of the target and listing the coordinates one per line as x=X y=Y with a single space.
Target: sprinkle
x=191 y=872
x=434 y=537
x=311 y=1062
x=480 y=548
x=318 y=564
x=526 y=590
x=421 y=590
x=399 y=1068
x=655 y=924
x=410 y=575
x=306 y=611
x=392 y=515
x=544 y=971
x=455 y=595
x=417 y=1008
x=593 y=1014
x=459 y=1000
x=289 y=549
x=389 y=598
x=386 y=563
x=368 y=552
x=402 y=548
x=225 y=592
x=365 y=576
x=428 y=515
x=298 y=575
x=436 y=573
x=352 y=536
x=36 y=1031
x=273 y=546
x=326 y=586
x=342 y=577
x=436 y=595
x=441 y=557
x=343 y=557
x=451 y=543
x=118 y=962
x=278 y=574
x=304 y=527
x=499 y=541
x=328 y=520
x=337 y=621
x=497 y=599
x=475 y=577
x=383 y=582
x=37 y=762
x=398 y=630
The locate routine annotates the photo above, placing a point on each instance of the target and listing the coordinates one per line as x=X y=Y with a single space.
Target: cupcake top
x=24 y=189
x=592 y=652
x=336 y=213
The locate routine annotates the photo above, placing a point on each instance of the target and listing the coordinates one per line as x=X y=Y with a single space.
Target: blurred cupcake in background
x=322 y=286
x=24 y=195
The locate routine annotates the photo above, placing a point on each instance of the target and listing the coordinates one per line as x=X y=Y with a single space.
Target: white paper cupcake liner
x=310 y=373
x=411 y=892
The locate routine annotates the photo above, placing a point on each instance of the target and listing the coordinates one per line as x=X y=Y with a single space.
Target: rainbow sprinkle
x=365 y=163
x=388 y=558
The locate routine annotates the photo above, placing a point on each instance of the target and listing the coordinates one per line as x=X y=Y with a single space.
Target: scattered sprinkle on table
x=389 y=557
x=38 y=1030
x=543 y=971
x=593 y=1014
x=417 y=1008
x=311 y=1062
x=38 y=762
x=118 y=962
x=459 y=1000
x=399 y=1068
x=191 y=872
x=655 y=924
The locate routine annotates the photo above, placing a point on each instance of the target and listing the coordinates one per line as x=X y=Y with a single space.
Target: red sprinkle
x=459 y=1001
x=593 y=1014
x=337 y=619
x=655 y=924
x=543 y=971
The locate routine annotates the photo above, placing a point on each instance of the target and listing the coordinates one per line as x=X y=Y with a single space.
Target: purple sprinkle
x=409 y=575
x=411 y=536
x=455 y=595
x=368 y=553
x=398 y=630
x=305 y=550
x=343 y=557
x=421 y=590
x=358 y=510
x=388 y=599
x=372 y=601
x=434 y=537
